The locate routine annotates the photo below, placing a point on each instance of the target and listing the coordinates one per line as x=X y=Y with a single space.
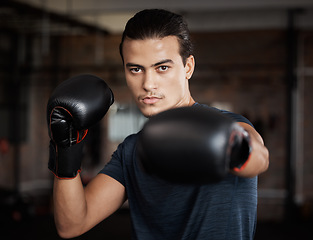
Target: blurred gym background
x=252 y=57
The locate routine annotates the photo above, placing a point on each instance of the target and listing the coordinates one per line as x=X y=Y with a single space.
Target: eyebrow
x=153 y=65
x=162 y=62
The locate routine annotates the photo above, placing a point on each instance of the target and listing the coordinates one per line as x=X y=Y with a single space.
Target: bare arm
x=78 y=209
x=259 y=158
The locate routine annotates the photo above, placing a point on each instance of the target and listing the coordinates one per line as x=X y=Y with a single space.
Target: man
x=158 y=63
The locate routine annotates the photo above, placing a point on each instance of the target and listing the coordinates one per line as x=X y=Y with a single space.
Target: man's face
x=156 y=75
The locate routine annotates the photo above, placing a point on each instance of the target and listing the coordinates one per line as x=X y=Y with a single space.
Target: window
x=124 y=119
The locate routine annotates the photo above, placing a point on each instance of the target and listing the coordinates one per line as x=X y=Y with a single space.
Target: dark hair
x=158 y=23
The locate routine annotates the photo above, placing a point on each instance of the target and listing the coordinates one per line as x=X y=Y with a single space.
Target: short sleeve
x=114 y=168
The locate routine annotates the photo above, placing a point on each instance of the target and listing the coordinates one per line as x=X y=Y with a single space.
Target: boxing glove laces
x=74 y=106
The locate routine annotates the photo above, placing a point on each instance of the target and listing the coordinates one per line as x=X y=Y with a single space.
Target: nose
x=149 y=81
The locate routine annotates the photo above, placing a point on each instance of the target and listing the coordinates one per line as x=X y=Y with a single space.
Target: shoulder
x=131 y=139
x=235 y=116
x=125 y=148
x=128 y=141
x=121 y=158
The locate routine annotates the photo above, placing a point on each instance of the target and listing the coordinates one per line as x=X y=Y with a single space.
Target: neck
x=191 y=101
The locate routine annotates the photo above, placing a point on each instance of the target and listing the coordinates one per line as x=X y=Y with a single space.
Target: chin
x=151 y=111
x=149 y=114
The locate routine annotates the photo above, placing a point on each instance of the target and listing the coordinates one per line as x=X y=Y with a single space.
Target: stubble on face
x=171 y=88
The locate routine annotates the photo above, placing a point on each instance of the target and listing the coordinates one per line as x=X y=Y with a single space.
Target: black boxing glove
x=74 y=106
x=192 y=145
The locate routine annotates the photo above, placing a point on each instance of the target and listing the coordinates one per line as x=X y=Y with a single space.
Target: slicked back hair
x=159 y=23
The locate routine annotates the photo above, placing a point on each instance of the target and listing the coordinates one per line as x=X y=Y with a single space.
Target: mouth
x=150 y=99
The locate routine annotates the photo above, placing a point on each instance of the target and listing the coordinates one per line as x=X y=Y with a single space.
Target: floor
x=118 y=227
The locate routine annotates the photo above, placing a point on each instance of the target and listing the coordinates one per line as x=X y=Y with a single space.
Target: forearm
x=68 y=124
x=259 y=157
x=70 y=206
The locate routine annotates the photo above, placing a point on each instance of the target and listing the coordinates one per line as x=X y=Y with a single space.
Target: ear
x=190 y=66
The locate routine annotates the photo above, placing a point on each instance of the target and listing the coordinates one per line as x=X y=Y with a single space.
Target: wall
x=243 y=71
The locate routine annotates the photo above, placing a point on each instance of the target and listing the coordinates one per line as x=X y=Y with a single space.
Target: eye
x=163 y=68
x=135 y=70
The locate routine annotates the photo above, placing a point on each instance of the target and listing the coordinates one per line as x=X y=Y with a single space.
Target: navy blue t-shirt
x=163 y=210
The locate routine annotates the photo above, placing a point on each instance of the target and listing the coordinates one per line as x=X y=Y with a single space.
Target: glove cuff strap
x=65 y=163
x=241 y=153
